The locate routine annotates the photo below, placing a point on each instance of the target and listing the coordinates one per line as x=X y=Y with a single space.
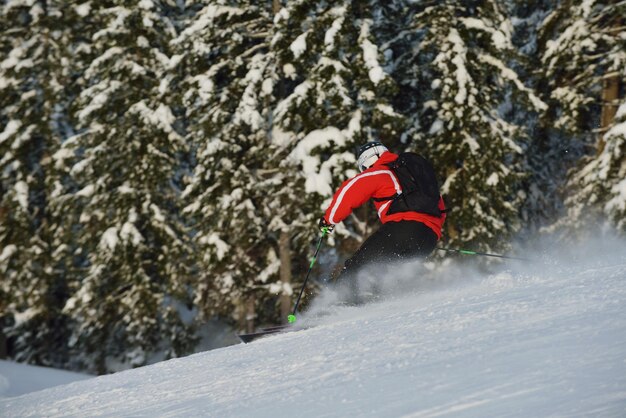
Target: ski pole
x=292 y=318
x=467 y=252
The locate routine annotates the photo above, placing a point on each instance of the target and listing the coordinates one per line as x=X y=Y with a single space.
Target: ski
x=246 y=338
x=263 y=332
x=276 y=327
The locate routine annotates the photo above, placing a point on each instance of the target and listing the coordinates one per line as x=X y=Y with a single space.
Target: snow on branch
x=207 y=18
x=97 y=96
x=510 y=75
x=298 y=46
x=220 y=247
x=248 y=109
x=370 y=54
x=318 y=176
x=457 y=54
x=331 y=33
x=498 y=38
x=161 y=118
x=295 y=98
x=10 y=130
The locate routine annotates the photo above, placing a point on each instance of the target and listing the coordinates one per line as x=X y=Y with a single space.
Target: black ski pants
x=393 y=241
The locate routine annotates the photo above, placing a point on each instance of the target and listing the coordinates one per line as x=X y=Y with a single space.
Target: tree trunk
x=610 y=97
x=3 y=342
x=276 y=6
x=452 y=232
x=4 y=212
x=284 y=250
x=250 y=314
x=284 y=241
x=101 y=356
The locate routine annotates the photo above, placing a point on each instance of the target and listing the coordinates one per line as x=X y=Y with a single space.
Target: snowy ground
x=17 y=379
x=548 y=340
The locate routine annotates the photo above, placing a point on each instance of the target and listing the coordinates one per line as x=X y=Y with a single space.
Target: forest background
x=163 y=163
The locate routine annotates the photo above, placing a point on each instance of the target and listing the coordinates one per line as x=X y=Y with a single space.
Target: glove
x=325 y=225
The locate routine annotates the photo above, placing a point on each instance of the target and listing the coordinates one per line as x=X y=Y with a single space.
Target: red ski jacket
x=378 y=181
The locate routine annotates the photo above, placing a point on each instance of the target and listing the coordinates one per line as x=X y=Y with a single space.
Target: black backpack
x=420 y=189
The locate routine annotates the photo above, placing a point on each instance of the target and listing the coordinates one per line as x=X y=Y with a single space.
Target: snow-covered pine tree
x=458 y=68
x=33 y=100
x=584 y=61
x=228 y=86
x=550 y=152
x=126 y=163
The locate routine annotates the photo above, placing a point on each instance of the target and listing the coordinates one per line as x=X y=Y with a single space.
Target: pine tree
x=126 y=162
x=463 y=84
x=228 y=83
x=582 y=51
x=32 y=104
x=550 y=153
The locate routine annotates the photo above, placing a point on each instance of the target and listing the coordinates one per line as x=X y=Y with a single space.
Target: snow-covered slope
x=17 y=379
x=544 y=341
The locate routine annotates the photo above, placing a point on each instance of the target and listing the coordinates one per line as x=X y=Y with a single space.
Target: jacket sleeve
x=352 y=194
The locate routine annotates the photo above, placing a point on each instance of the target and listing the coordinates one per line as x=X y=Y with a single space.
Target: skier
x=406 y=196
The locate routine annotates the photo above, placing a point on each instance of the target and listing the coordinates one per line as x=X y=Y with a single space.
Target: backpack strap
x=392 y=166
x=383 y=199
x=395 y=196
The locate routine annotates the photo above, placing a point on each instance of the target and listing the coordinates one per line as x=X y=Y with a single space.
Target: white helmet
x=369 y=153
